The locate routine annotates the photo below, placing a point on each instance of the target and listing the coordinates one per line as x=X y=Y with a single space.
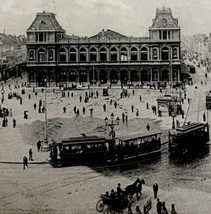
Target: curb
x=21 y=162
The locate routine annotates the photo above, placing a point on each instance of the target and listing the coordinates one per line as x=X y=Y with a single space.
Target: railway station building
x=107 y=57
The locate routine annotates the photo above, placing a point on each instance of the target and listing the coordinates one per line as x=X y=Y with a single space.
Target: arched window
x=41 y=55
x=50 y=55
x=103 y=54
x=63 y=76
x=93 y=55
x=72 y=55
x=82 y=55
x=175 y=53
x=113 y=53
x=31 y=55
x=62 y=55
x=133 y=54
x=144 y=54
x=155 y=53
x=123 y=54
x=165 y=53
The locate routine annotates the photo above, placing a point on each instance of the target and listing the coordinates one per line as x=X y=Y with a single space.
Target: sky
x=88 y=17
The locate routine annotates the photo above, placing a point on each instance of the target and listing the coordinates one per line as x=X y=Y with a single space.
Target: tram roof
x=84 y=140
x=188 y=128
x=138 y=136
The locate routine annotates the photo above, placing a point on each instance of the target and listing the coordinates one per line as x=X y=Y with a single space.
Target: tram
x=95 y=151
x=188 y=139
x=84 y=150
x=208 y=100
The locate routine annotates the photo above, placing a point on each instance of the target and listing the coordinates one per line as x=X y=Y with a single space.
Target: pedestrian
x=137 y=112
x=155 y=190
x=80 y=98
x=115 y=104
x=72 y=94
x=140 y=98
x=74 y=109
x=159 y=206
x=91 y=112
x=38 y=145
x=147 y=105
x=21 y=101
x=29 y=96
x=204 y=117
x=97 y=94
x=188 y=100
x=77 y=112
x=84 y=110
x=110 y=102
x=40 y=103
x=30 y=155
x=35 y=106
x=133 y=92
x=123 y=117
x=64 y=109
x=10 y=113
x=42 y=90
x=14 y=123
x=25 y=162
x=132 y=108
x=126 y=118
x=104 y=107
x=148 y=127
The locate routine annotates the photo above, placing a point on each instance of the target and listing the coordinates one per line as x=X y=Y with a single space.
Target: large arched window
x=73 y=55
x=93 y=55
x=82 y=55
x=103 y=54
x=41 y=55
x=123 y=54
x=31 y=55
x=133 y=54
x=144 y=54
x=113 y=53
x=165 y=53
x=62 y=55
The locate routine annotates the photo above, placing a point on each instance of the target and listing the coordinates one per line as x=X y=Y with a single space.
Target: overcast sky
x=88 y=17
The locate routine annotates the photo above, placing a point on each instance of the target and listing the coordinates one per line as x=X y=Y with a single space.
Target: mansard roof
x=107 y=35
x=164 y=19
x=45 y=22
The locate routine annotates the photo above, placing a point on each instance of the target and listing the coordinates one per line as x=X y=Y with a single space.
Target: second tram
x=188 y=139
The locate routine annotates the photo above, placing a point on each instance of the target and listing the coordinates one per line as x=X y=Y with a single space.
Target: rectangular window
x=159 y=34
x=164 y=34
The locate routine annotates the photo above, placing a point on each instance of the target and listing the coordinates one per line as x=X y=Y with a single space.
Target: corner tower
x=164 y=26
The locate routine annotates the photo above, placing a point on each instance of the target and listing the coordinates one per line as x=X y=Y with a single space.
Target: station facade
x=107 y=57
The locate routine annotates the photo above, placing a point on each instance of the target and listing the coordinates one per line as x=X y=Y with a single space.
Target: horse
x=135 y=188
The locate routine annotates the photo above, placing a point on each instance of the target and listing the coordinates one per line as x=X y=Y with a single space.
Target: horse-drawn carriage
x=118 y=201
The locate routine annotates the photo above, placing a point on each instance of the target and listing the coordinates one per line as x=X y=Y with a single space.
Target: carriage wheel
x=100 y=206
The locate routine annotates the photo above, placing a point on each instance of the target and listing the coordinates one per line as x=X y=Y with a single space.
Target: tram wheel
x=100 y=206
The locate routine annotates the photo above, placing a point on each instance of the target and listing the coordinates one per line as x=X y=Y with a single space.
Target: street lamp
x=112 y=124
x=173 y=114
x=46 y=139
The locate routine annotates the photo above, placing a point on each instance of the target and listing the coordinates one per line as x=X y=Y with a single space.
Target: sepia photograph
x=105 y=106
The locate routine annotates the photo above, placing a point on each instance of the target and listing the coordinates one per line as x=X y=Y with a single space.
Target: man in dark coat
x=159 y=206
x=155 y=190
x=25 y=162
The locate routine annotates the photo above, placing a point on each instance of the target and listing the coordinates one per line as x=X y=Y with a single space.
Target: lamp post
x=173 y=115
x=112 y=124
x=46 y=138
